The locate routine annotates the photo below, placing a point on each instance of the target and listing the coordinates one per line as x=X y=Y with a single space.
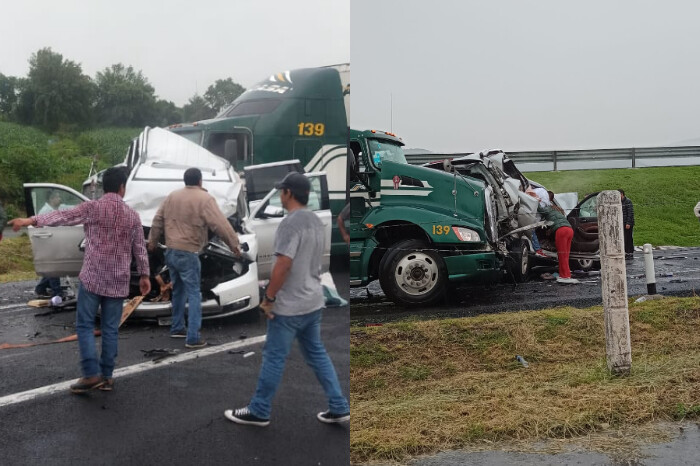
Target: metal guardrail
x=555 y=157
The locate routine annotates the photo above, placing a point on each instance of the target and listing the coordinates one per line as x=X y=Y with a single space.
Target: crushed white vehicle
x=157 y=160
x=513 y=212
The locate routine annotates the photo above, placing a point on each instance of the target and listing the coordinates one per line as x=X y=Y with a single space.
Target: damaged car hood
x=159 y=164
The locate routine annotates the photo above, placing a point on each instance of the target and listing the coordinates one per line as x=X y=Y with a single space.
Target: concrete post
x=649 y=269
x=614 y=283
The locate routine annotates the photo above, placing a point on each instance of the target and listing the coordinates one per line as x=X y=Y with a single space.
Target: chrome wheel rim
x=585 y=263
x=416 y=273
x=524 y=261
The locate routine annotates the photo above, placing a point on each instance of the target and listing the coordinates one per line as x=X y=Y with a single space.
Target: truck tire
x=411 y=274
x=519 y=263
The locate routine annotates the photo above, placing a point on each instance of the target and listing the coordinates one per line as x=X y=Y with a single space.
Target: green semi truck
x=291 y=120
x=419 y=229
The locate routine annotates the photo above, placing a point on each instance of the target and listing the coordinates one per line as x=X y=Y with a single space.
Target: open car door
x=267 y=214
x=584 y=221
x=56 y=250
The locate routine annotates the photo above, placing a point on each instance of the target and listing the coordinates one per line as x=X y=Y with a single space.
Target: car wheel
x=411 y=274
x=519 y=262
x=582 y=264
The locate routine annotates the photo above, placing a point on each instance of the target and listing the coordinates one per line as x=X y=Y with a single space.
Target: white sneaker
x=570 y=281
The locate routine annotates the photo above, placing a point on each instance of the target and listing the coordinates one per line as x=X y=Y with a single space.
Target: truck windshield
x=383 y=151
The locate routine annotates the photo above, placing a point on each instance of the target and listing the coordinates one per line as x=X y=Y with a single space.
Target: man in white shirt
x=53 y=202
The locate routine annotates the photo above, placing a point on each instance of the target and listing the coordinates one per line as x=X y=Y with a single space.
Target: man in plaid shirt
x=113 y=234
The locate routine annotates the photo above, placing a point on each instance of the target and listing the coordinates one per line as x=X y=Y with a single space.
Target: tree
x=197 y=109
x=56 y=92
x=167 y=113
x=9 y=95
x=222 y=93
x=124 y=97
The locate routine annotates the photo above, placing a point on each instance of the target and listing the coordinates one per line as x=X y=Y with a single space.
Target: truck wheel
x=412 y=275
x=519 y=263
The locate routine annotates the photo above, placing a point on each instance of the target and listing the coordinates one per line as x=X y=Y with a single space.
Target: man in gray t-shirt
x=292 y=303
x=301 y=238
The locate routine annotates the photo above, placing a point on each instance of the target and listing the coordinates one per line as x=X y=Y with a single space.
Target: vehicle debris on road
x=521 y=360
x=159 y=354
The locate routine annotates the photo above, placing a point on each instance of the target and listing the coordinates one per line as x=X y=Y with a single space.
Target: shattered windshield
x=382 y=151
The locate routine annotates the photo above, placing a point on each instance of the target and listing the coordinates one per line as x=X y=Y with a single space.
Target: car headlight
x=466 y=234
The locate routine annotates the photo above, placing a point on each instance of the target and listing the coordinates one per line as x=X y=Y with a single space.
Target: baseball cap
x=295 y=182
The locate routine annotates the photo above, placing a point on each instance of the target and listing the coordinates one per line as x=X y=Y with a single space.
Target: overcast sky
x=182 y=47
x=468 y=75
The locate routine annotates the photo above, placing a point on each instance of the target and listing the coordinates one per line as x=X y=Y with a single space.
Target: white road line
x=63 y=387
x=19 y=310
x=11 y=306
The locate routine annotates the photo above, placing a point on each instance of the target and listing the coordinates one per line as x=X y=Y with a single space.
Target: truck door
x=236 y=146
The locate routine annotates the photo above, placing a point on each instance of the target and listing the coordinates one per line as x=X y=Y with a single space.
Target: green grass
x=461 y=387
x=663 y=198
x=16 y=260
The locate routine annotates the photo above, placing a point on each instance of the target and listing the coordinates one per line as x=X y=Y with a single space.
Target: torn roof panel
x=161 y=168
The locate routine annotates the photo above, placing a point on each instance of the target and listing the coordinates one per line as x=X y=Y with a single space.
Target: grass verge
x=421 y=387
x=16 y=260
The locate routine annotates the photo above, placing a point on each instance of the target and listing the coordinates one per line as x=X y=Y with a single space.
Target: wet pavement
x=172 y=412
x=682 y=449
x=677 y=273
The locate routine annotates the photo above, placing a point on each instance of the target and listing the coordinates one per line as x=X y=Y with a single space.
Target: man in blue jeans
x=114 y=235
x=292 y=303
x=186 y=216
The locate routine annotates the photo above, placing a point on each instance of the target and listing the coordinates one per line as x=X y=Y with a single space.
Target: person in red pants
x=563 y=234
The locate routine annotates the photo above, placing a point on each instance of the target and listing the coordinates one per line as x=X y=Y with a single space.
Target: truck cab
x=414 y=228
x=292 y=115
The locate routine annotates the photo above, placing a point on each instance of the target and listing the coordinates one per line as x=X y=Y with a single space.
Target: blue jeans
x=535 y=241
x=185 y=275
x=85 y=327
x=281 y=332
x=45 y=283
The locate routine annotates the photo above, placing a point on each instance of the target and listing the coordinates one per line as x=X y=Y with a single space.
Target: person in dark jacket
x=563 y=234
x=628 y=222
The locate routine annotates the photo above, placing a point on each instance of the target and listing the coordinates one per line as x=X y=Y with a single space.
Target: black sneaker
x=243 y=416
x=330 y=418
x=179 y=334
x=197 y=344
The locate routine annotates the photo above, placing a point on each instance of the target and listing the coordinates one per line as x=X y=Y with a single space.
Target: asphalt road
x=677 y=274
x=169 y=413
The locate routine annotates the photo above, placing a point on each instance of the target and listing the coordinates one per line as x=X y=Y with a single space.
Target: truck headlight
x=466 y=234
